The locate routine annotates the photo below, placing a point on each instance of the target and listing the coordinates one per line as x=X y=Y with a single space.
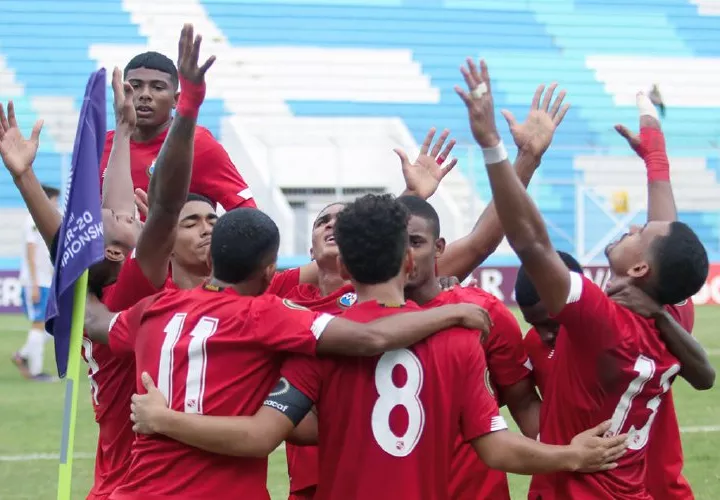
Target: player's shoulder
x=469 y=294
x=203 y=137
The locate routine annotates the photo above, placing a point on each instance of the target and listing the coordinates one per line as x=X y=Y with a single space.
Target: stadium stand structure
x=309 y=97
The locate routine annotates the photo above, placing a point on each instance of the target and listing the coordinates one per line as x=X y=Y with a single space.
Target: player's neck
x=146 y=134
x=186 y=280
x=390 y=292
x=251 y=288
x=329 y=282
x=425 y=292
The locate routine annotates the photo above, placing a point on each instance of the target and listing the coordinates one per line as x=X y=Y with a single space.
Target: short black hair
x=243 y=240
x=371 y=234
x=156 y=61
x=421 y=208
x=51 y=192
x=199 y=197
x=525 y=293
x=680 y=264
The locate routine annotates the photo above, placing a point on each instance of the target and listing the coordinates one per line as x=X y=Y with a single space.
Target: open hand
x=596 y=453
x=648 y=119
x=423 y=177
x=536 y=133
x=188 y=55
x=479 y=103
x=125 y=115
x=147 y=408
x=448 y=282
x=17 y=152
x=141 y=202
x=631 y=297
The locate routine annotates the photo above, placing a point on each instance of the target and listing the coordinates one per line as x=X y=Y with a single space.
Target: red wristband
x=191 y=98
x=652 y=151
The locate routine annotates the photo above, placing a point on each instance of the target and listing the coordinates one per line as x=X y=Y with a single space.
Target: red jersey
x=664 y=456
x=212 y=352
x=541 y=357
x=112 y=384
x=389 y=422
x=610 y=364
x=302 y=461
x=507 y=365
x=213 y=173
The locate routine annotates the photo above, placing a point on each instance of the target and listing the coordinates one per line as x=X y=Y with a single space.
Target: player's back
x=388 y=423
x=210 y=352
x=609 y=364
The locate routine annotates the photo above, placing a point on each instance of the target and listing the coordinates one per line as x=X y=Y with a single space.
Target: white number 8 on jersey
x=391 y=396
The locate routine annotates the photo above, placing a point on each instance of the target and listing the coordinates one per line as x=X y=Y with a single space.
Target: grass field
x=30 y=433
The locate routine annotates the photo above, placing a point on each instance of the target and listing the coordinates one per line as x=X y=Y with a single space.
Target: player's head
x=532 y=309
x=154 y=79
x=426 y=244
x=192 y=241
x=52 y=193
x=244 y=249
x=371 y=234
x=665 y=259
x=324 y=250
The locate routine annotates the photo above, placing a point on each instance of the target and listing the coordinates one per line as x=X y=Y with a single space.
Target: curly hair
x=371 y=234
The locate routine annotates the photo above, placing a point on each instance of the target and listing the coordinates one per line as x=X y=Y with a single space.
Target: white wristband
x=495 y=154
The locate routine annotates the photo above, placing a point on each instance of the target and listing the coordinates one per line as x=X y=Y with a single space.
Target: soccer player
x=217 y=349
x=611 y=363
x=36 y=271
x=154 y=80
x=509 y=376
x=387 y=423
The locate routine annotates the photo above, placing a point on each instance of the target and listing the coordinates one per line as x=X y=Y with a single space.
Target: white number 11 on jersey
x=197 y=360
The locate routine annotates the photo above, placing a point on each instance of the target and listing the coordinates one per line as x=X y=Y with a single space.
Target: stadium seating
x=348 y=61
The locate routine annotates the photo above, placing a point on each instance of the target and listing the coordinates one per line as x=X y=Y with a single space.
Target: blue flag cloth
x=80 y=242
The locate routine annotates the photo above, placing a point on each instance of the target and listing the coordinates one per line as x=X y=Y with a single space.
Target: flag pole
x=67 y=444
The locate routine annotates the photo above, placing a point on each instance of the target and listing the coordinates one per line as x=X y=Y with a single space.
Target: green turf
x=33 y=413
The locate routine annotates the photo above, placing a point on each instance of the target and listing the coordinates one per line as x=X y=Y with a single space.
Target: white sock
x=35 y=350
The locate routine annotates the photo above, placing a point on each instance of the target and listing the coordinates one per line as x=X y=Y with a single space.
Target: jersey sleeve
x=282 y=325
x=284 y=281
x=683 y=313
x=589 y=317
x=305 y=374
x=506 y=355
x=479 y=413
x=124 y=327
x=130 y=287
x=220 y=179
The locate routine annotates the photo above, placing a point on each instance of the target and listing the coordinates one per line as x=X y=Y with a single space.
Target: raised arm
x=520 y=218
x=98 y=320
x=118 y=193
x=170 y=181
x=346 y=337
x=18 y=155
x=650 y=146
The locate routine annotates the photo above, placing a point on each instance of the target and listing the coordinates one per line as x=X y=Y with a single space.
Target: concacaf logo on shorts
x=151 y=168
x=292 y=305
x=488 y=383
x=347 y=300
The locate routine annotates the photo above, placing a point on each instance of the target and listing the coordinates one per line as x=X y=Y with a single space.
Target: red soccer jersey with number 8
x=388 y=423
x=609 y=364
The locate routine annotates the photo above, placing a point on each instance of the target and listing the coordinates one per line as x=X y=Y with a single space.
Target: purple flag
x=80 y=242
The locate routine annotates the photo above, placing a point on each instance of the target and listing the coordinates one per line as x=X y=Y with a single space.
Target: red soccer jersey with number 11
x=389 y=423
x=210 y=352
x=609 y=364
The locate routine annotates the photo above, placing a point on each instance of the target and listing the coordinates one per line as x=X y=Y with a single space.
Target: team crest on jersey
x=347 y=300
x=151 y=168
x=488 y=383
x=292 y=305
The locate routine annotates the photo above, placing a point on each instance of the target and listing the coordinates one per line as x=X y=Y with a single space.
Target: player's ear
x=312 y=254
x=344 y=273
x=439 y=247
x=408 y=262
x=175 y=99
x=270 y=272
x=639 y=270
